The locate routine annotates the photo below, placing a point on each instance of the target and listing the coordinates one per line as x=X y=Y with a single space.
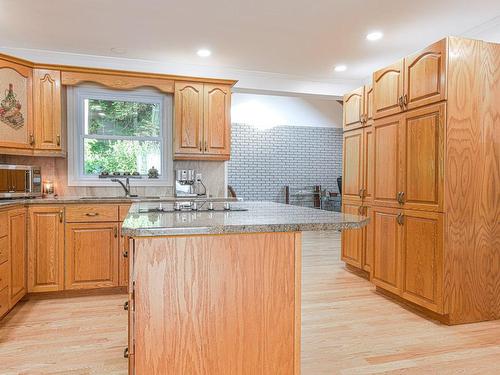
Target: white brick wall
x=264 y=161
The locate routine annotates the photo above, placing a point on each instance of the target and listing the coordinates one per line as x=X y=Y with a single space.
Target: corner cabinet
x=47 y=109
x=202 y=125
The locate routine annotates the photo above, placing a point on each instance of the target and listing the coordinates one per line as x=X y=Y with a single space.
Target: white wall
x=266 y=111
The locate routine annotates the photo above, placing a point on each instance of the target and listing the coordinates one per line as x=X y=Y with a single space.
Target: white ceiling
x=281 y=45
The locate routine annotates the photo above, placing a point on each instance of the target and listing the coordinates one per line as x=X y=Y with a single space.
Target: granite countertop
x=260 y=217
x=6 y=203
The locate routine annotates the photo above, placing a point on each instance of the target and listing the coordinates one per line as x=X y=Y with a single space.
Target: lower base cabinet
x=408 y=255
x=46 y=248
x=18 y=255
x=91 y=255
x=357 y=244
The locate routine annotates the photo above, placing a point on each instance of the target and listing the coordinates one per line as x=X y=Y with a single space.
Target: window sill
x=98 y=182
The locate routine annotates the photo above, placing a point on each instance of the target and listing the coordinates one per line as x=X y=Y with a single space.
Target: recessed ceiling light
x=375 y=35
x=340 y=68
x=204 y=52
x=118 y=50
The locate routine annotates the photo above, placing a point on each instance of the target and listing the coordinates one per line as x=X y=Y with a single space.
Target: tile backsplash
x=55 y=169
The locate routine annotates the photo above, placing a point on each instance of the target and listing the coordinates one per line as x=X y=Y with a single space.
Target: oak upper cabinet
x=368 y=105
x=91 y=255
x=18 y=255
x=388 y=90
x=387 y=153
x=188 y=118
x=386 y=237
x=46 y=248
x=352 y=179
x=368 y=157
x=425 y=76
x=202 y=126
x=47 y=109
x=352 y=240
x=422 y=142
x=217 y=127
x=353 y=109
x=422 y=258
x=16 y=102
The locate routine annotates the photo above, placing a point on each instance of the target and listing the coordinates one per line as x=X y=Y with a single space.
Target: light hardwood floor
x=347 y=328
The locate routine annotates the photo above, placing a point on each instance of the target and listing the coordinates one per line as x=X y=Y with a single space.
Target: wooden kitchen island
x=218 y=292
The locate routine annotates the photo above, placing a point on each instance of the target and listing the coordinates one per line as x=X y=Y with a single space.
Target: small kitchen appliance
x=20 y=181
x=185 y=183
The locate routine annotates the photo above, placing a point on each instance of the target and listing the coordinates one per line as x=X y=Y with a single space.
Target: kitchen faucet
x=125 y=186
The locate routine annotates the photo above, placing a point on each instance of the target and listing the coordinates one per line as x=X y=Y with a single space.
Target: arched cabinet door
x=16 y=125
x=188 y=118
x=47 y=109
x=425 y=76
x=353 y=109
x=388 y=90
x=217 y=106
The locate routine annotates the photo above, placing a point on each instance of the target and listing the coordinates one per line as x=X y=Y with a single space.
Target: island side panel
x=217 y=304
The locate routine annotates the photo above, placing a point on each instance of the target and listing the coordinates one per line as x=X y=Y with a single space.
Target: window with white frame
x=114 y=131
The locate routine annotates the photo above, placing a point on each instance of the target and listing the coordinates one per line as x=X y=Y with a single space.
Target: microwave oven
x=20 y=181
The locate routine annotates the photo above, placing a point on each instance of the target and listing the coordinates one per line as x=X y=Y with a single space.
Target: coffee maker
x=185 y=183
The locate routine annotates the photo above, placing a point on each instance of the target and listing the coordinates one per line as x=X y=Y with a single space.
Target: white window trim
x=75 y=140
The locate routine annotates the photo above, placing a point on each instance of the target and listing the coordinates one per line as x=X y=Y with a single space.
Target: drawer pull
x=400 y=219
x=125 y=306
x=125 y=353
x=125 y=254
x=61 y=216
x=92 y=214
x=58 y=140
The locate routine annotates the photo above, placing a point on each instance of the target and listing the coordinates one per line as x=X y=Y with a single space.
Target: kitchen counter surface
x=259 y=217
x=8 y=203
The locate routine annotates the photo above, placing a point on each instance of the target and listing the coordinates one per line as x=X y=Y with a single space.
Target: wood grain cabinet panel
x=47 y=113
x=352 y=179
x=422 y=141
x=221 y=304
x=17 y=137
x=18 y=255
x=368 y=105
x=188 y=118
x=386 y=269
x=353 y=109
x=4 y=301
x=217 y=127
x=388 y=90
x=422 y=259
x=46 y=249
x=352 y=240
x=387 y=171
x=368 y=160
x=91 y=255
x=4 y=275
x=368 y=240
x=425 y=76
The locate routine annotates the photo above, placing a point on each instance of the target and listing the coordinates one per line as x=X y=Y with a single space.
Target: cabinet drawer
x=4 y=275
x=4 y=226
x=4 y=249
x=82 y=213
x=4 y=301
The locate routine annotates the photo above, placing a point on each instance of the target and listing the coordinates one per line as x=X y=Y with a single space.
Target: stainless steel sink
x=118 y=198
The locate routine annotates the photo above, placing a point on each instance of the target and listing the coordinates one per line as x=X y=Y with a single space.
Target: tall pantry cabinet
x=435 y=162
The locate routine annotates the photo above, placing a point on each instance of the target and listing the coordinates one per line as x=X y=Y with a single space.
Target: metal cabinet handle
x=125 y=306
x=405 y=100
x=206 y=146
x=125 y=254
x=360 y=193
x=400 y=102
x=58 y=140
x=115 y=230
x=125 y=353
x=61 y=214
x=32 y=140
x=401 y=197
x=400 y=219
x=92 y=214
